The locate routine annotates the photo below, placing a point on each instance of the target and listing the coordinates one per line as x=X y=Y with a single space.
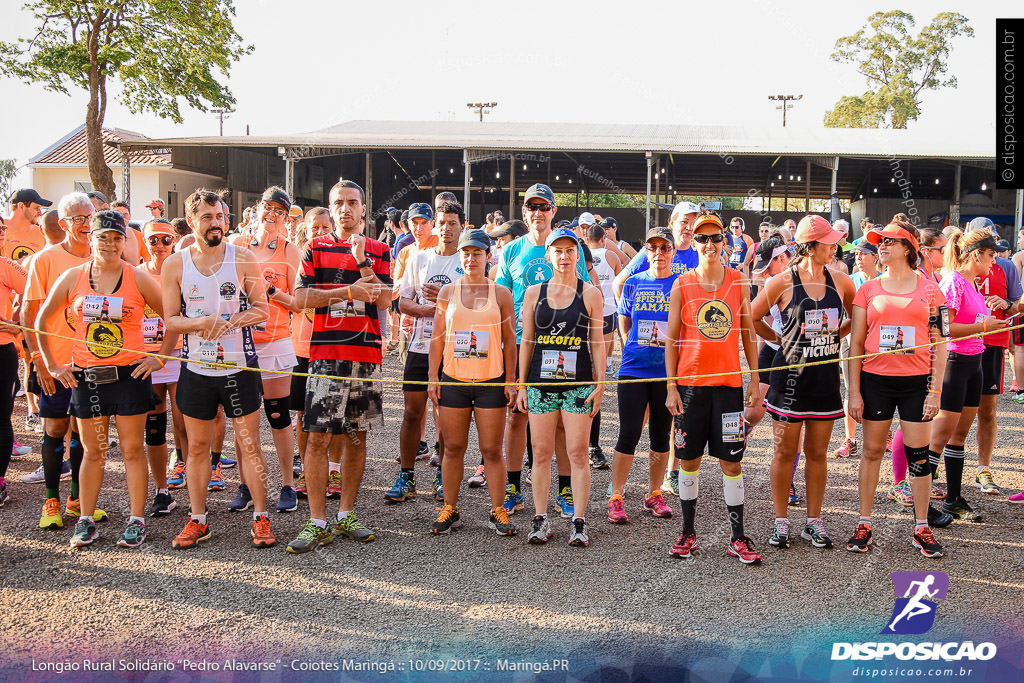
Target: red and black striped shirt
x=348 y=330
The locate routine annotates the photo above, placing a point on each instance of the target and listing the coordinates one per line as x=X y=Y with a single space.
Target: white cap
x=587 y=218
x=683 y=208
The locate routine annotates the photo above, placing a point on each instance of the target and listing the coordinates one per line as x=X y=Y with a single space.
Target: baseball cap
x=559 y=234
x=539 y=191
x=515 y=228
x=708 y=219
x=96 y=194
x=766 y=252
x=278 y=196
x=158 y=227
x=979 y=223
x=609 y=222
x=295 y=211
x=29 y=196
x=867 y=248
x=586 y=218
x=815 y=228
x=107 y=220
x=1002 y=245
x=660 y=233
x=683 y=208
x=156 y=204
x=421 y=210
x=475 y=238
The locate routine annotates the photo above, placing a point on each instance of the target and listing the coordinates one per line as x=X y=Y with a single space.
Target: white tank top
x=605 y=275
x=219 y=293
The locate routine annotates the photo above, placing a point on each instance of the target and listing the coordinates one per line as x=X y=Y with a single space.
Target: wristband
x=933 y=391
x=32 y=357
x=348 y=292
x=984 y=325
x=163 y=366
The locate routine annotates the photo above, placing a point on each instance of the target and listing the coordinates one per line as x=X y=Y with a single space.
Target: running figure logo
x=916 y=596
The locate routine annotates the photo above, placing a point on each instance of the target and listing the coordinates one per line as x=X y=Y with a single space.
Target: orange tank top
x=472 y=343
x=302 y=330
x=709 y=331
x=153 y=326
x=275 y=272
x=113 y=320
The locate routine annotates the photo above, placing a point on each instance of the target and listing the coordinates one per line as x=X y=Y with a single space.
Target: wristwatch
x=365 y=263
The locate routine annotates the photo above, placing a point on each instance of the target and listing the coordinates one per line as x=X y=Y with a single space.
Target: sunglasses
x=941 y=250
x=157 y=239
x=888 y=241
x=538 y=207
x=659 y=249
x=704 y=238
x=273 y=211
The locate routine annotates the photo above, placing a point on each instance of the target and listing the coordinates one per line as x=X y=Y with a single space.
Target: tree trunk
x=100 y=175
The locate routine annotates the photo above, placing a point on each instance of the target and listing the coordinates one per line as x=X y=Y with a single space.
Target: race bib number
x=736 y=257
x=651 y=333
x=422 y=345
x=980 y=318
x=470 y=344
x=98 y=307
x=821 y=322
x=222 y=352
x=558 y=364
x=732 y=427
x=348 y=309
x=152 y=330
x=896 y=338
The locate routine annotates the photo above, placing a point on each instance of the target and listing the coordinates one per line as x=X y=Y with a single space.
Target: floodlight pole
x=482 y=108
x=647 y=215
x=785 y=99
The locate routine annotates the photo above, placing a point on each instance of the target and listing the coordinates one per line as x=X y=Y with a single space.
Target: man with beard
x=24 y=236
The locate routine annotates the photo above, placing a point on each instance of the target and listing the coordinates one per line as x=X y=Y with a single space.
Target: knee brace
x=277 y=407
x=917 y=461
x=156 y=429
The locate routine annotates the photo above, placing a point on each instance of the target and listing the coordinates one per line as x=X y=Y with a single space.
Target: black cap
x=278 y=196
x=475 y=238
x=767 y=251
x=866 y=247
x=661 y=234
x=1002 y=245
x=29 y=196
x=107 y=220
x=515 y=228
x=96 y=194
x=609 y=223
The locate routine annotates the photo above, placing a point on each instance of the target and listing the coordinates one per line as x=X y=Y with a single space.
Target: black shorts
x=469 y=395
x=883 y=395
x=1017 y=336
x=297 y=396
x=199 y=396
x=765 y=361
x=126 y=396
x=609 y=323
x=992 y=359
x=417 y=369
x=961 y=385
x=54 y=406
x=713 y=418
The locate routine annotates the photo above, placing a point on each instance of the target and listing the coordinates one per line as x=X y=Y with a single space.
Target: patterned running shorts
x=543 y=400
x=340 y=406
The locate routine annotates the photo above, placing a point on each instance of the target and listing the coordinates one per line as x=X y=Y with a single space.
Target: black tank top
x=561 y=348
x=810 y=332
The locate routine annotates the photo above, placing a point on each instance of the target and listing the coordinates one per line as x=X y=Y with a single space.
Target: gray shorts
x=341 y=406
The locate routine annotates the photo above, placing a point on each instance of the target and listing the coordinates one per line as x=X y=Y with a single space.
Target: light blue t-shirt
x=523 y=264
x=682 y=261
x=645 y=301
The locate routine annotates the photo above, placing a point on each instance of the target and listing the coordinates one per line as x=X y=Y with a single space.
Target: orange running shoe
x=261 y=535
x=191 y=535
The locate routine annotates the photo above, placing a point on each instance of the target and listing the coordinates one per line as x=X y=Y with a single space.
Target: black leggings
x=8 y=383
x=634 y=399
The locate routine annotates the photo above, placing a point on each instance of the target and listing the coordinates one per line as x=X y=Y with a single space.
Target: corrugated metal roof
x=71 y=150
x=593 y=137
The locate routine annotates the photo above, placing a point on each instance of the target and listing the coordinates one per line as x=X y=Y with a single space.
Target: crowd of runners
x=514 y=329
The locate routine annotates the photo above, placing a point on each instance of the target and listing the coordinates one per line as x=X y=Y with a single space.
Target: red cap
x=159 y=203
x=895 y=232
x=814 y=228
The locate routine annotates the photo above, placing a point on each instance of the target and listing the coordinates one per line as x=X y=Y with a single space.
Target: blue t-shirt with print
x=682 y=261
x=644 y=301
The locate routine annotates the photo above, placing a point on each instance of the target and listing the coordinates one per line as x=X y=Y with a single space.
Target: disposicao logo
x=917 y=594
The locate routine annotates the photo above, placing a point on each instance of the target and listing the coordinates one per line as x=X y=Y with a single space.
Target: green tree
x=8 y=169
x=897 y=66
x=159 y=51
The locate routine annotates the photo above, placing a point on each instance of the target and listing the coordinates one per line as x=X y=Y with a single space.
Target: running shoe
x=85 y=533
x=435 y=458
x=243 y=501
x=133 y=536
x=300 y=485
x=597 y=459
x=350 y=527
x=815 y=533
x=500 y=522
x=959 y=508
x=177 y=479
x=192 y=535
x=684 y=545
x=1017 y=498
x=334 y=485
x=163 y=503
x=1018 y=397
x=564 y=501
x=37 y=477
x=656 y=505
x=938 y=519
x=310 y=538
x=986 y=482
x=847 y=450
x=73 y=508
x=672 y=483
x=422 y=453
x=743 y=550
x=262 y=537
x=513 y=499
x=18 y=451
x=478 y=479
x=901 y=493
x=780 y=535
x=578 y=537
x=541 y=531
x=51 y=518
x=617 y=510
x=288 y=501
x=1013 y=385
x=227 y=463
x=938 y=493
x=33 y=423
x=860 y=540
x=794 y=498
x=216 y=479
x=4 y=495
x=448 y=518
x=403 y=490
x=924 y=540
x=438 y=486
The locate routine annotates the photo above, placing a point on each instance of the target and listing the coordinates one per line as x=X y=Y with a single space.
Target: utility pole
x=785 y=106
x=222 y=114
x=482 y=108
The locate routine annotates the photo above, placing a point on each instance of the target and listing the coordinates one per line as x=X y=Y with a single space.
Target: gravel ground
x=474 y=594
